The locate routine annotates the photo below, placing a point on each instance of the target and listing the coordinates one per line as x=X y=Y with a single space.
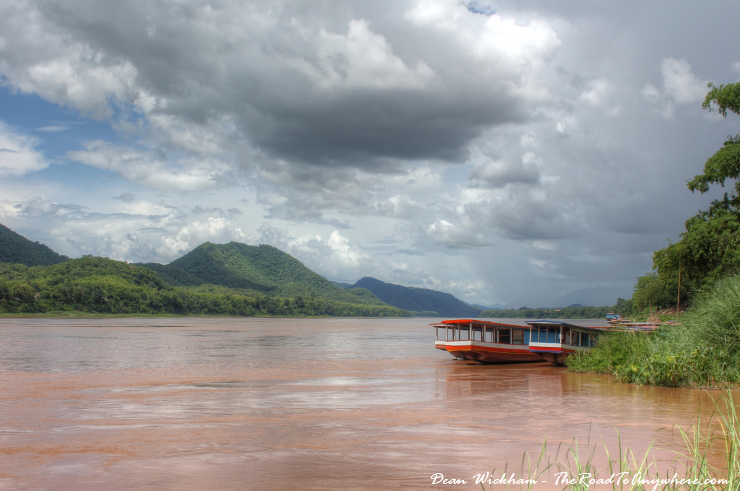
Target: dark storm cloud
x=305 y=89
x=368 y=129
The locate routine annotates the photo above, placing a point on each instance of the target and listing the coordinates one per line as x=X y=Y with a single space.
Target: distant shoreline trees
x=100 y=285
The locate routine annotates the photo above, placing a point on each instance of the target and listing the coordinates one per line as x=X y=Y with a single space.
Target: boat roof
x=572 y=323
x=525 y=324
x=517 y=322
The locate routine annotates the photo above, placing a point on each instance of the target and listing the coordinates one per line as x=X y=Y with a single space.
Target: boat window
x=526 y=337
x=516 y=337
x=551 y=335
x=464 y=333
x=441 y=333
x=450 y=333
x=566 y=335
x=489 y=336
x=504 y=336
x=477 y=334
x=583 y=340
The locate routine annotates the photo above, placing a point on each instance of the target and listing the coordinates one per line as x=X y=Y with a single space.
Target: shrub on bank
x=703 y=351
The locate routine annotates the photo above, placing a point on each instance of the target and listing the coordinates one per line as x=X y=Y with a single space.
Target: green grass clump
x=702 y=351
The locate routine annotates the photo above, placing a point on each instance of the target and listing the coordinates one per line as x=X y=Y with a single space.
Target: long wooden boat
x=537 y=340
x=484 y=341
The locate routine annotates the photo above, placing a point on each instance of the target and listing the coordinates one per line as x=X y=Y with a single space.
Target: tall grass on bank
x=572 y=469
x=703 y=351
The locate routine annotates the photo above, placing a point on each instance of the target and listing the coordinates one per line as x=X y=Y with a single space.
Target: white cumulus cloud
x=18 y=153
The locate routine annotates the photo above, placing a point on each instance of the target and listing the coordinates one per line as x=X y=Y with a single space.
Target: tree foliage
x=709 y=249
x=99 y=285
x=16 y=249
x=264 y=269
x=655 y=292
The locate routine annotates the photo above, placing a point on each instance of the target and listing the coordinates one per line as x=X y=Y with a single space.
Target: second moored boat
x=516 y=341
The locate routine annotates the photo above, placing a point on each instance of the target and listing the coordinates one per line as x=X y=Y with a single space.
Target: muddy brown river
x=292 y=404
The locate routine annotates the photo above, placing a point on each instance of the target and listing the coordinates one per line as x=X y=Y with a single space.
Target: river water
x=292 y=404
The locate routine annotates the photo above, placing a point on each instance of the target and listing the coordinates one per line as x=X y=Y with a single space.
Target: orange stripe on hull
x=490 y=354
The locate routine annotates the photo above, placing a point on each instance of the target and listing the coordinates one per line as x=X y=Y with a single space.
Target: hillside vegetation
x=259 y=269
x=95 y=284
x=702 y=351
x=417 y=299
x=16 y=249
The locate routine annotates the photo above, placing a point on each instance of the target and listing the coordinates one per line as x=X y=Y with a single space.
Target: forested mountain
x=231 y=279
x=263 y=269
x=16 y=249
x=96 y=284
x=417 y=299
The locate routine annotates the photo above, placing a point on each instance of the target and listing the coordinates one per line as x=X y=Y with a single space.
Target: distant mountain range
x=496 y=306
x=417 y=299
x=233 y=269
x=16 y=249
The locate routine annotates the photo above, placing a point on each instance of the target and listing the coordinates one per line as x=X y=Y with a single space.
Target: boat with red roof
x=484 y=341
x=517 y=341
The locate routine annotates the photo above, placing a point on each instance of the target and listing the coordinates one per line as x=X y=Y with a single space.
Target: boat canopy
x=554 y=323
x=476 y=322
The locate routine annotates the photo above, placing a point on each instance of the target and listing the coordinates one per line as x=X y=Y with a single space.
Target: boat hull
x=556 y=358
x=483 y=352
x=554 y=353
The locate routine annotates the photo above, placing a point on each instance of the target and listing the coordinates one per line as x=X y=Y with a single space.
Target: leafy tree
x=653 y=291
x=710 y=247
x=624 y=306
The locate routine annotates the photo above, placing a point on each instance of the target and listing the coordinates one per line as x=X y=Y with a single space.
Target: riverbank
x=702 y=350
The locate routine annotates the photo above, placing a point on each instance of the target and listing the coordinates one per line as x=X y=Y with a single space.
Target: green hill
x=100 y=285
x=16 y=249
x=417 y=299
x=262 y=269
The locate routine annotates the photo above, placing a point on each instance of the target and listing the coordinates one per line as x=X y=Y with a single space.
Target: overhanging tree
x=710 y=246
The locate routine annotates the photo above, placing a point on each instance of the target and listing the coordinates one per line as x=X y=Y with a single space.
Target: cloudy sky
x=522 y=152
